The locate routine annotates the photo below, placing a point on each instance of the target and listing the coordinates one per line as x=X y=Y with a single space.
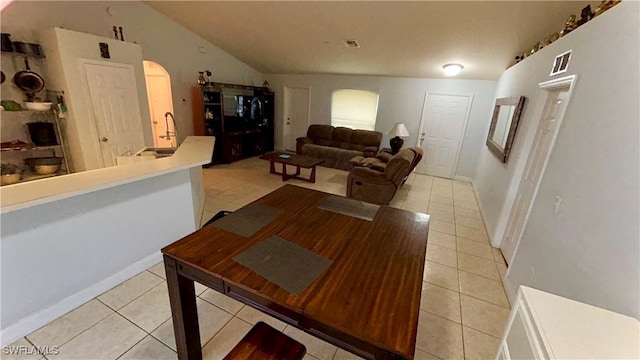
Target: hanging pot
x=28 y=81
x=42 y=133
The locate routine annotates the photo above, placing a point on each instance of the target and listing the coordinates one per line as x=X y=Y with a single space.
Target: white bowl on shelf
x=9 y=179
x=46 y=169
x=38 y=106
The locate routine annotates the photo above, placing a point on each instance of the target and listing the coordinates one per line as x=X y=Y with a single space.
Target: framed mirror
x=504 y=123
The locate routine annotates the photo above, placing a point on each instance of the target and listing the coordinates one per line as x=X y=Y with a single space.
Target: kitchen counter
x=548 y=326
x=194 y=151
x=72 y=237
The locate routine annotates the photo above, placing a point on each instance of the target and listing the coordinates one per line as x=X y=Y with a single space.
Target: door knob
x=104 y=139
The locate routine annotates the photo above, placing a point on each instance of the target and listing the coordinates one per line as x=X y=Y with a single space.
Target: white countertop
x=194 y=151
x=574 y=330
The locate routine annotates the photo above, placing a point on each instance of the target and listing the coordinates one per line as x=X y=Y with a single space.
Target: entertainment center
x=239 y=116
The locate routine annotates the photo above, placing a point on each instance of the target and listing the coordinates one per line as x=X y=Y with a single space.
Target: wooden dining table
x=366 y=301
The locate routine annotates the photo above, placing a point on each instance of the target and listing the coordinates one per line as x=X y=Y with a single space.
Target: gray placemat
x=345 y=206
x=284 y=263
x=248 y=220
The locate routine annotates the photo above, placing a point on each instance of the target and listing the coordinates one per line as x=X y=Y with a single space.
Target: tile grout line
x=468 y=272
x=460 y=323
x=455 y=228
x=114 y=311
x=134 y=299
x=35 y=347
x=134 y=345
x=465 y=294
x=202 y=346
x=83 y=331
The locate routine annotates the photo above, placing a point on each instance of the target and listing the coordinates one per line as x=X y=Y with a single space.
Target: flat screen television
x=236 y=102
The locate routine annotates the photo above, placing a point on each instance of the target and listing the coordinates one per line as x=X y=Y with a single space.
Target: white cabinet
x=547 y=326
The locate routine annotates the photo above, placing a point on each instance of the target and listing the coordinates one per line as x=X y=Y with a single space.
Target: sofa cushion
x=378 y=165
x=332 y=156
x=384 y=156
x=320 y=134
x=335 y=145
x=398 y=166
x=341 y=138
x=357 y=161
x=361 y=139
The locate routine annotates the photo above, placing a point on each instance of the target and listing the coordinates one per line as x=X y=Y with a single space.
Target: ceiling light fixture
x=452 y=69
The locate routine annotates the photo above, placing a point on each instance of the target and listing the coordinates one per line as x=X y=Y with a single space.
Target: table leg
x=312 y=178
x=184 y=312
x=272 y=168
x=284 y=172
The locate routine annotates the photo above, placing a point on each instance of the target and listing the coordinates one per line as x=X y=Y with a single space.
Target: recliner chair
x=378 y=183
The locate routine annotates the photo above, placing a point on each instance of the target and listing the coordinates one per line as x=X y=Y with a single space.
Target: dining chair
x=263 y=342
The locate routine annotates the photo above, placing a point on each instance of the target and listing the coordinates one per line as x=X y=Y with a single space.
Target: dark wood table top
x=369 y=296
x=294 y=159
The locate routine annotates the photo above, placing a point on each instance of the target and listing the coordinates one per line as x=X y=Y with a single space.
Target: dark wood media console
x=240 y=117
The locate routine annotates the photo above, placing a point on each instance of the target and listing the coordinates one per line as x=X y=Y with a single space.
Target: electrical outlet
x=556 y=204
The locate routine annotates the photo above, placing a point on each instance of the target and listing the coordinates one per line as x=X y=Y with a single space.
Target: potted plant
x=9 y=174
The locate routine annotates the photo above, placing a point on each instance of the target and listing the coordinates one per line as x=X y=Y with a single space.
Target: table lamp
x=396 y=142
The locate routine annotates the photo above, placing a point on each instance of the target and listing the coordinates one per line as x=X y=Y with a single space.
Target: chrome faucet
x=169 y=134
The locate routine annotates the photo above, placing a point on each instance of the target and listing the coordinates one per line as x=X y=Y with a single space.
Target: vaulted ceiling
x=397 y=38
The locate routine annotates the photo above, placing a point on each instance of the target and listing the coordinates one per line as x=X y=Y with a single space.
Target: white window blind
x=355 y=109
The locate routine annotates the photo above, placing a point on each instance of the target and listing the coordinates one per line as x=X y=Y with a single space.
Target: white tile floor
x=463 y=308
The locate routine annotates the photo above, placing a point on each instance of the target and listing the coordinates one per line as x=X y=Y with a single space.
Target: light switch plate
x=556 y=204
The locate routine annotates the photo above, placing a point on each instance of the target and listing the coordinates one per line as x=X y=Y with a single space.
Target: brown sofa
x=376 y=180
x=337 y=146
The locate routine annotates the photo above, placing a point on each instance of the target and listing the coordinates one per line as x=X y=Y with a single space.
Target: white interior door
x=443 y=120
x=534 y=169
x=116 y=110
x=160 y=102
x=296 y=116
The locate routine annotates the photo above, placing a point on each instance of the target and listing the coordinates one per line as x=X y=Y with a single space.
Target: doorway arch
x=158 y=81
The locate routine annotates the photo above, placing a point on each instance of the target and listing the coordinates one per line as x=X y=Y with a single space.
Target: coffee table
x=367 y=301
x=298 y=161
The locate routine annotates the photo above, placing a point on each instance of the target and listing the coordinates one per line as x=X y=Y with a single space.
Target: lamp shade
x=398 y=130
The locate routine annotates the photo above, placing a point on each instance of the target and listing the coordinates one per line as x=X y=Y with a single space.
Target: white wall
x=590 y=250
x=66 y=73
x=58 y=255
x=401 y=100
x=162 y=40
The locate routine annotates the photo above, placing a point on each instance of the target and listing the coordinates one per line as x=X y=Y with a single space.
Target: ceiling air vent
x=351 y=43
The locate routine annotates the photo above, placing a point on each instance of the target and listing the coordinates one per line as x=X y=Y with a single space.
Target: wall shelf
x=31 y=147
x=17 y=54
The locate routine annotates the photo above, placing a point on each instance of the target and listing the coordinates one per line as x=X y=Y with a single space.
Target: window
x=355 y=109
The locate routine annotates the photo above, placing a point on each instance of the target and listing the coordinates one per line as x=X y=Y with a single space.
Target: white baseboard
x=490 y=231
x=463 y=179
x=35 y=321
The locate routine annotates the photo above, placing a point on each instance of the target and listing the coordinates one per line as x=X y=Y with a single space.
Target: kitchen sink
x=156 y=152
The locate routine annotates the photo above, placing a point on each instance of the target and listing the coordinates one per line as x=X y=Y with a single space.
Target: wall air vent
x=351 y=43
